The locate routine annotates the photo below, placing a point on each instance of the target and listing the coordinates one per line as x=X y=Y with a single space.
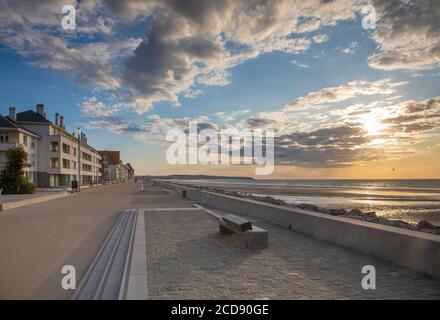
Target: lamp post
x=79 y=158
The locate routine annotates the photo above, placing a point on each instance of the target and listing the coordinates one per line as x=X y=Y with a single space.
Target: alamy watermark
x=369 y=280
x=68 y=282
x=69 y=20
x=229 y=146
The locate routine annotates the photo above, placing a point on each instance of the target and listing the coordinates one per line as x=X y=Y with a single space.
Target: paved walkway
x=37 y=240
x=188 y=259
x=186 y=256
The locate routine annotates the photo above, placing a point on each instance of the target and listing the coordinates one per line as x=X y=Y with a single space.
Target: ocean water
x=361 y=183
x=410 y=200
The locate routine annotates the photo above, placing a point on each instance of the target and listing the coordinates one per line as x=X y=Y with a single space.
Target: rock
x=355 y=212
x=323 y=210
x=398 y=223
x=337 y=212
x=425 y=224
x=308 y=206
x=371 y=214
x=382 y=220
x=271 y=200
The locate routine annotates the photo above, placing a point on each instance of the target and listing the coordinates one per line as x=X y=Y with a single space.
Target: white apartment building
x=56 y=158
x=11 y=136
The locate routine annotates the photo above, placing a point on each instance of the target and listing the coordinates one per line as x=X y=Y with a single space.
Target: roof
x=5 y=122
x=31 y=116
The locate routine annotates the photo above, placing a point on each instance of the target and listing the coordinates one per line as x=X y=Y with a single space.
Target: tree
x=12 y=179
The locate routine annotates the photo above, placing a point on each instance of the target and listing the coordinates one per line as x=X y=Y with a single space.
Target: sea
x=410 y=200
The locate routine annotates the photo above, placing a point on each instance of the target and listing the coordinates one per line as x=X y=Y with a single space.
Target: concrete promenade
x=37 y=240
x=188 y=259
x=186 y=256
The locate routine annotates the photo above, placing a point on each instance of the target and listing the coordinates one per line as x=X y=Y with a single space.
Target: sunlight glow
x=372 y=123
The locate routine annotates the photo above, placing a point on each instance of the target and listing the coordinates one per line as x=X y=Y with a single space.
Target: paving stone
x=189 y=259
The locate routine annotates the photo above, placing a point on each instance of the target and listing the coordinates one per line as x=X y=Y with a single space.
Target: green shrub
x=12 y=179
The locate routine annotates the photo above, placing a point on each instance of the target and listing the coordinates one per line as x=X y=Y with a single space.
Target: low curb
x=27 y=202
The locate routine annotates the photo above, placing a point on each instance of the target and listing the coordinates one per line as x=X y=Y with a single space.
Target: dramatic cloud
x=415 y=116
x=190 y=43
x=186 y=42
x=332 y=147
x=385 y=128
x=408 y=34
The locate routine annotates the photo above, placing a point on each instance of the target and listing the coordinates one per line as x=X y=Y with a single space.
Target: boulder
x=323 y=210
x=337 y=212
x=398 y=223
x=355 y=212
x=272 y=200
x=425 y=224
x=308 y=206
x=370 y=214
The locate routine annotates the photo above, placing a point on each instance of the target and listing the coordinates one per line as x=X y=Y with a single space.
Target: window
x=4 y=137
x=74 y=164
x=86 y=156
x=54 y=131
x=54 y=163
x=66 y=148
x=74 y=152
x=54 y=146
x=66 y=164
x=86 y=167
x=25 y=140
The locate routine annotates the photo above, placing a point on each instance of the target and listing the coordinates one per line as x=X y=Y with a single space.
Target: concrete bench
x=253 y=236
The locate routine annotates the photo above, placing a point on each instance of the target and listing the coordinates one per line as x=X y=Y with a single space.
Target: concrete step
x=107 y=276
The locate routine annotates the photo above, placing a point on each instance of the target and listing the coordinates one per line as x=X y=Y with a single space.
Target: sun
x=372 y=124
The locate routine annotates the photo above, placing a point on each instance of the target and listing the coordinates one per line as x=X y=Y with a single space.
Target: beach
x=407 y=200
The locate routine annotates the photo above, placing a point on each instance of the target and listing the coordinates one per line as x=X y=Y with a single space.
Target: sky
x=345 y=101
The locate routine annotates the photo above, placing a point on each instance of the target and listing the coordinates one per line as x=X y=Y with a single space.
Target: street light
x=78 y=131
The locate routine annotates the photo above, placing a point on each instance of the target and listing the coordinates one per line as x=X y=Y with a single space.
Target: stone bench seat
x=253 y=236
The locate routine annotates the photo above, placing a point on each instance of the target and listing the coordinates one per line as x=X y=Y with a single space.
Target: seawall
x=413 y=249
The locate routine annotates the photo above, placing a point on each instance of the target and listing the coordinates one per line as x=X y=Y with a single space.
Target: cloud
x=415 y=116
x=113 y=124
x=299 y=64
x=94 y=108
x=350 y=49
x=308 y=134
x=320 y=38
x=347 y=91
x=408 y=35
x=227 y=117
x=186 y=42
x=89 y=63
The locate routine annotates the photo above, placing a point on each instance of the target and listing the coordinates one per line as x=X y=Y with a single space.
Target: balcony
x=7 y=146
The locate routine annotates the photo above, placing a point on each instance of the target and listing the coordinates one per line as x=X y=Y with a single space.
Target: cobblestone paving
x=188 y=259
